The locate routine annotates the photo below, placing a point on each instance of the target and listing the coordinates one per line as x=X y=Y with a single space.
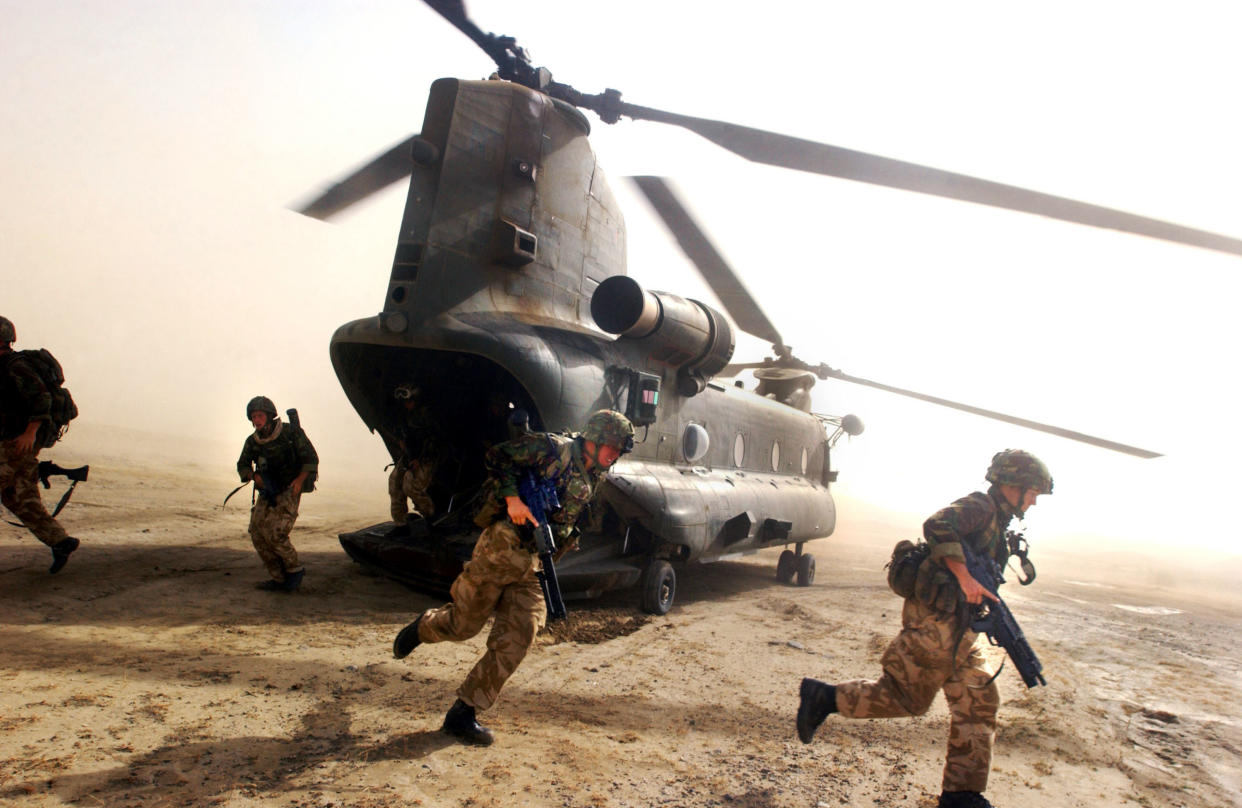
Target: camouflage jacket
x=23 y=396
x=550 y=456
x=279 y=457
x=418 y=434
x=978 y=519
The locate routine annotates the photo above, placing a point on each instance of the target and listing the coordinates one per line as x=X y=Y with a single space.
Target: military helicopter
x=508 y=293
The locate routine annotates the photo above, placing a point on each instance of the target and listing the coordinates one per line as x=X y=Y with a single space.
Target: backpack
x=49 y=372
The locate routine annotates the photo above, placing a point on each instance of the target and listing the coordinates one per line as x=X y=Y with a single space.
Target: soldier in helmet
x=25 y=406
x=936 y=650
x=500 y=577
x=418 y=438
x=281 y=461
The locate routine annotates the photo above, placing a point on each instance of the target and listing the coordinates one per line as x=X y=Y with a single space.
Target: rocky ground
x=150 y=672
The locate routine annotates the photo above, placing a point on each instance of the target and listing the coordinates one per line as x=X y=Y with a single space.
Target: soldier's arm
x=506 y=461
x=945 y=529
x=37 y=400
x=245 y=463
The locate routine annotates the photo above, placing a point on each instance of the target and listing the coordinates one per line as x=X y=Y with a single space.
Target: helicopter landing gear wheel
x=806 y=569
x=659 y=587
x=786 y=566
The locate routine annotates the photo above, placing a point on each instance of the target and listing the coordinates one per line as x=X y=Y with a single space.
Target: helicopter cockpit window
x=739 y=449
x=694 y=443
x=776 y=456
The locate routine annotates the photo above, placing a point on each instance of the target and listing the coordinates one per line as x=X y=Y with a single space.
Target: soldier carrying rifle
x=502 y=576
x=936 y=649
x=281 y=461
x=34 y=411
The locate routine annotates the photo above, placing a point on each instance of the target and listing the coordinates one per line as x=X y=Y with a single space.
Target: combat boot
x=61 y=551
x=963 y=799
x=270 y=585
x=407 y=639
x=293 y=580
x=817 y=701
x=461 y=724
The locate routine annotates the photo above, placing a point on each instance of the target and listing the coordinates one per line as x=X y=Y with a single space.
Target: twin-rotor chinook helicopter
x=509 y=293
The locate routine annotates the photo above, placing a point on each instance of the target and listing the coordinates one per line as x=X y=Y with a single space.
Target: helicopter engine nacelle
x=678 y=332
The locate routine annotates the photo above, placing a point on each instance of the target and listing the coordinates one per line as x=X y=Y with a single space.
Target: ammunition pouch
x=937 y=588
x=491 y=512
x=903 y=567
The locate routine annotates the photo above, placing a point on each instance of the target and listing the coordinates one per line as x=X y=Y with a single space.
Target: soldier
x=936 y=650
x=25 y=419
x=413 y=470
x=281 y=461
x=500 y=577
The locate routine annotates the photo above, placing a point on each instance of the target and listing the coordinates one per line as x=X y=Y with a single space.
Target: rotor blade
x=733 y=294
x=391 y=166
x=786 y=151
x=999 y=416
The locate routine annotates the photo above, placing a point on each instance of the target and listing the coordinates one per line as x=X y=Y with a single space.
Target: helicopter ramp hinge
x=513 y=246
x=737 y=528
x=774 y=530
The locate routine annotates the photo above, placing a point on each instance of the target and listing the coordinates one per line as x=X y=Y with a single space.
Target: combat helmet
x=1023 y=469
x=8 y=333
x=260 y=404
x=610 y=428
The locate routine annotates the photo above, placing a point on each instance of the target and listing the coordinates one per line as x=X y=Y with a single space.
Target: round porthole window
x=739 y=449
x=776 y=456
x=694 y=443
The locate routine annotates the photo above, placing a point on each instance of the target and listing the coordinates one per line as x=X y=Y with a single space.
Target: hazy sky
x=151 y=151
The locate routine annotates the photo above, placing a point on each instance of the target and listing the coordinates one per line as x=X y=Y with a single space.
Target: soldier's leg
x=916 y=664
x=519 y=616
x=415 y=483
x=396 y=495
x=284 y=514
x=498 y=560
x=261 y=518
x=973 y=702
x=19 y=491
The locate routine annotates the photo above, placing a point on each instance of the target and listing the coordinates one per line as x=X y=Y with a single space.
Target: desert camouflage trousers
x=411 y=483
x=498 y=579
x=918 y=663
x=19 y=490
x=270 y=526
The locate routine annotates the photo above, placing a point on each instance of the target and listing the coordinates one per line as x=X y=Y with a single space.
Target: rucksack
x=48 y=370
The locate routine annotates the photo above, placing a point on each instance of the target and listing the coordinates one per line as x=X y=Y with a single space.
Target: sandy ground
x=150 y=672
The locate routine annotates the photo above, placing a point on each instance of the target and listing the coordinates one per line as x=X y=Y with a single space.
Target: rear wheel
x=659 y=587
x=786 y=566
x=806 y=569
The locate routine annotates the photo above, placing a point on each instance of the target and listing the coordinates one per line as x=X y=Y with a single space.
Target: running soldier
x=26 y=427
x=281 y=461
x=500 y=577
x=936 y=649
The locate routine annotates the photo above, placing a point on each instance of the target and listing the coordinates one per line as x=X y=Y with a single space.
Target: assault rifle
x=48 y=469
x=265 y=485
x=539 y=494
x=994 y=619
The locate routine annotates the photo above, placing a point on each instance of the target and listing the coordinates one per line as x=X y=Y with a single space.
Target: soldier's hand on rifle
x=519 y=514
x=974 y=591
x=257 y=480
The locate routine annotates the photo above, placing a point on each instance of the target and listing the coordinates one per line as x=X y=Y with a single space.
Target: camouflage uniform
x=500 y=577
x=24 y=398
x=937 y=651
x=278 y=458
x=414 y=470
